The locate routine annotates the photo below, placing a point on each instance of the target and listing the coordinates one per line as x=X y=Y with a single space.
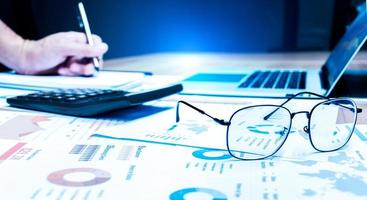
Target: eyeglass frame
x=291 y=114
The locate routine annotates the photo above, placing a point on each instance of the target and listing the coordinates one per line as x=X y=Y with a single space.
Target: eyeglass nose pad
x=308 y=115
x=306 y=129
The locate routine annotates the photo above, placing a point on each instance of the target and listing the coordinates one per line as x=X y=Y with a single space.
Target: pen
x=85 y=24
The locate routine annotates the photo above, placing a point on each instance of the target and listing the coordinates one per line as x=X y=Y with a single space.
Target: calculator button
x=33 y=95
x=57 y=97
x=22 y=97
x=92 y=94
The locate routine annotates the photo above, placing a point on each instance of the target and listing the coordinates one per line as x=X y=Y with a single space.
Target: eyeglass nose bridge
x=300 y=112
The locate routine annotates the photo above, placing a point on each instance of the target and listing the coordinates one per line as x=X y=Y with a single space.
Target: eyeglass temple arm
x=292 y=97
x=302 y=93
x=359 y=110
x=219 y=121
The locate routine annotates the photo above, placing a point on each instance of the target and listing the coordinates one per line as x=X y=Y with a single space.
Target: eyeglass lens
x=332 y=123
x=252 y=136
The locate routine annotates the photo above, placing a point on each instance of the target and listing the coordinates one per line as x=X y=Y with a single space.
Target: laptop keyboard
x=276 y=79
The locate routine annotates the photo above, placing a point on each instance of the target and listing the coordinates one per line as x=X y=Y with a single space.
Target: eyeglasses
x=259 y=131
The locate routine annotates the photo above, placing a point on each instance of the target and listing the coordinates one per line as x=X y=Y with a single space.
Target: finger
x=82 y=69
x=81 y=61
x=77 y=37
x=76 y=70
x=96 y=39
x=81 y=38
x=83 y=50
x=64 y=71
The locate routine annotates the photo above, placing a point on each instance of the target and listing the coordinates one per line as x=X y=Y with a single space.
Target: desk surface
x=181 y=63
x=59 y=157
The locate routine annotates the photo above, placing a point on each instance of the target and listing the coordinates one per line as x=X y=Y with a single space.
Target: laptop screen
x=345 y=50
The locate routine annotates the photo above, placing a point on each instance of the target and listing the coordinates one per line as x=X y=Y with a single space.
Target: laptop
x=276 y=82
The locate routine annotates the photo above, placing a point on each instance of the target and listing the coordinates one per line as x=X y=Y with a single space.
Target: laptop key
x=293 y=81
x=259 y=82
x=282 y=80
x=249 y=80
x=271 y=80
x=302 y=82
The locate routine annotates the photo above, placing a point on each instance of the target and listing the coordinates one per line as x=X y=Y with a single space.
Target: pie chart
x=79 y=177
x=205 y=154
x=180 y=194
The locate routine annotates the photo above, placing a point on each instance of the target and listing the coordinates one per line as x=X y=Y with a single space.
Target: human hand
x=60 y=53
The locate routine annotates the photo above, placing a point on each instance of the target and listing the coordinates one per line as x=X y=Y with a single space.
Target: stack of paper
x=101 y=80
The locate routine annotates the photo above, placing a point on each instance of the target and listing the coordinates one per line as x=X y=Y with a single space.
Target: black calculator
x=88 y=102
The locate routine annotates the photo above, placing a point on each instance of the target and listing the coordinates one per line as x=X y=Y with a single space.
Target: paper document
x=53 y=157
x=101 y=80
x=106 y=169
x=44 y=127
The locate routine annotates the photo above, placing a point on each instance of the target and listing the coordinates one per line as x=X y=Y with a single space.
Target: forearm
x=11 y=47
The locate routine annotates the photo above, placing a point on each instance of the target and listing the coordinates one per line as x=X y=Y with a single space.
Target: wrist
x=25 y=54
x=15 y=52
x=19 y=56
x=10 y=51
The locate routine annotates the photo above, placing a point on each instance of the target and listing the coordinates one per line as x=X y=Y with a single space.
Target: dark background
x=133 y=27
